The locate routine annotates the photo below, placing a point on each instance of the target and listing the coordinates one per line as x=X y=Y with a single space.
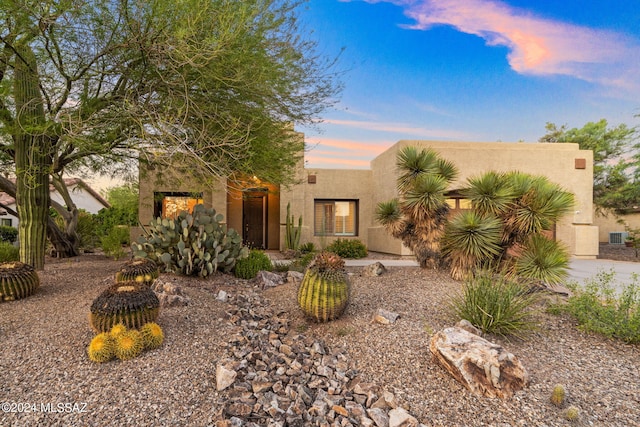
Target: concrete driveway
x=579 y=269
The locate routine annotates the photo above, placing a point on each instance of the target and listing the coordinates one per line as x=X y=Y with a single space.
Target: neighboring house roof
x=6 y=199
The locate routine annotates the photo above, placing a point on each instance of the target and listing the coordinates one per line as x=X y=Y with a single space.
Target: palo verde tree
x=503 y=231
x=208 y=87
x=616 y=160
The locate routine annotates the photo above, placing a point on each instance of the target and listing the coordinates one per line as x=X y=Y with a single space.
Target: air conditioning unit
x=617 y=237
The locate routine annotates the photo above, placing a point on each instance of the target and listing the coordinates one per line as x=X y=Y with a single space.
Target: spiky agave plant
x=141 y=270
x=130 y=303
x=17 y=280
x=101 y=348
x=323 y=294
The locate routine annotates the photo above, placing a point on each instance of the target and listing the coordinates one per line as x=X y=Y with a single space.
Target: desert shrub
x=348 y=248
x=497 y=305
x=247 y=268
x=598 y=308
x=108 y=218
x=305 y=248
x=87 y=228
x=8 y=252
x=8 y=234
x=300 y=264
x=111 y=244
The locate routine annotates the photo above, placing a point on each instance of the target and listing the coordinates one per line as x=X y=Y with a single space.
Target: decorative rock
x=485 y=368
x=294 y=276
x=379 y=417
x=224 y=377
x=267 y=279
x=373 y=270
x=222 y=296
x=385 y=317
x=468 y=326
x=169 y=294
x=398 y=417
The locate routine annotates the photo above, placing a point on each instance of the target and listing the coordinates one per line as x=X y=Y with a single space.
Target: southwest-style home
x=341 y=203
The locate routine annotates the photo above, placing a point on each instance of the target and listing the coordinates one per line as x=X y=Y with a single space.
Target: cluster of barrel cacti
x=123 y=343
x=192 y=244
x=17 y=280
x=323 y=294
x=130 y=300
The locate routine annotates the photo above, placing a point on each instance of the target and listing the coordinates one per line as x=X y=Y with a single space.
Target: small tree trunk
x=32 y=158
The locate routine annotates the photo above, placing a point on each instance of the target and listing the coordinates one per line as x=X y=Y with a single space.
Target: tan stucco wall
x=608 y=222
x=330 y=184
x=555 y=161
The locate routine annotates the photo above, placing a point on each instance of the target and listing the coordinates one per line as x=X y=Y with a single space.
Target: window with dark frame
x=170 y=204
x=336 y=217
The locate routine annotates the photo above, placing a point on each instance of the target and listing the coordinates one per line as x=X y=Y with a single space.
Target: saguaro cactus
x=32 y=158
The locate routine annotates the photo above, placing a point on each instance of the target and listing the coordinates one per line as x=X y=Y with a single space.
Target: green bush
x=300 y=264
x=8 y=252
x=8 y=234
x=247 y=268
x=599 y=309
x=348 y=248
x=108 y=218
x=305 y=248
x=497 y=305
x=112 y=243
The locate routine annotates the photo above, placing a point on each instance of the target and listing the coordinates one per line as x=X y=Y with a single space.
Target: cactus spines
x=323 y=294
x=128 y=344
x=558 y=395
x=117 y=329
x=141 y=270
x=131 y=303
x=572 y=413
x=101 y=348
x=152 y=335
x=17 y=280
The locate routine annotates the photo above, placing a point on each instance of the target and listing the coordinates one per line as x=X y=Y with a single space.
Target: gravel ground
x=43 y=360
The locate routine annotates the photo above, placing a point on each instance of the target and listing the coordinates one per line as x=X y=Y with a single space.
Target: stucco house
x=82 y=194
x=341 y=203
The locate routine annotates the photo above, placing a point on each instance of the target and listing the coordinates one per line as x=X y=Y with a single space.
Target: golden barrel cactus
x=324 y=292
x=131 y=303
x=141 y=270
x=17 y=280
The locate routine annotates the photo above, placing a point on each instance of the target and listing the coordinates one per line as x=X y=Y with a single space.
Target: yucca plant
x=419 y=215
x=494 y=304
x=471 y=242
x=323 y=294
x=544 y=260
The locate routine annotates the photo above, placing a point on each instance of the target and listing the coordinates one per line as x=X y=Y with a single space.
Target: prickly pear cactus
x=192 y=244
x=323 y=294
x=17 y=280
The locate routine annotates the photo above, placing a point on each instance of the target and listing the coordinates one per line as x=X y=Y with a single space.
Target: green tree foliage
x=504 y=231
x=616 y=160
x=214 y=85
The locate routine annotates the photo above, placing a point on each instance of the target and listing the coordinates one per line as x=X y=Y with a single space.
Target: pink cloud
x=537 y=45
x=368 y=149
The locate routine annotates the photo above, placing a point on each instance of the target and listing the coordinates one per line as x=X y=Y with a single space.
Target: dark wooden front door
x=254 y=219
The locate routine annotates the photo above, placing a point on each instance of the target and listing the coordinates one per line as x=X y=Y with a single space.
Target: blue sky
x=470 y=70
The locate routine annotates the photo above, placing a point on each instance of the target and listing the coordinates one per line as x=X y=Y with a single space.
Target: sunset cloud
x=537 y=45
